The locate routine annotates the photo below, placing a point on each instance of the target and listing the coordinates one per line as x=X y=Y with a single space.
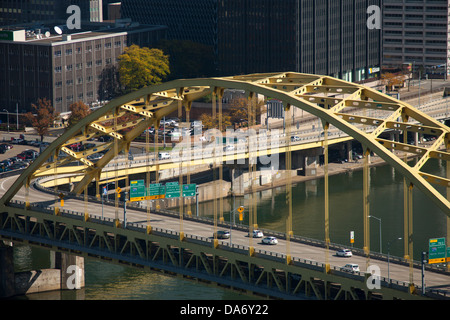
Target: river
x=108 y=281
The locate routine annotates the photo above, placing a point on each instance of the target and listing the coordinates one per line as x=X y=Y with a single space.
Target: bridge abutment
x=66 y=272
x=7 y=287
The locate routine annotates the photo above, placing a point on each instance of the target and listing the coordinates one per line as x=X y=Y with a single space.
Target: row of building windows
x=79 y=66
x=80 y=96
x=78 y=50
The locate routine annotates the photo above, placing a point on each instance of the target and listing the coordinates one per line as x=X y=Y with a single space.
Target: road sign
x=172 y=190
x=118 y=190
x=240 y=209
x=189 y=190
x=436 y=250
x=156 y=191
x=352 y=236
x=137 y=190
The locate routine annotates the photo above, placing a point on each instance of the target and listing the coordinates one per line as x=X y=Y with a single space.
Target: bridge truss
x=360 y=112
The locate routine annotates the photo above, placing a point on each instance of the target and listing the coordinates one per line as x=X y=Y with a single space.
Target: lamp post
x=389 y=247
x=7 y=114
x=380 y=231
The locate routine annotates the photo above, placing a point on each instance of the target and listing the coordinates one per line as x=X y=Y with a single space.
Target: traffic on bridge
x=84 y=201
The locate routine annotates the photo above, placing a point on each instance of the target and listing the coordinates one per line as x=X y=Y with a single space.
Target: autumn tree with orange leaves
x=42 y=116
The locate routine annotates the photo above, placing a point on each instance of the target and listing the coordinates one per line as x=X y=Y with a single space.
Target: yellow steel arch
x=336 y=102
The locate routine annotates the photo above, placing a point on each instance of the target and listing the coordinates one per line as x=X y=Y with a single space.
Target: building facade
x=327 y=37
x=65 y=68
x=416 y=33
x=27 y=11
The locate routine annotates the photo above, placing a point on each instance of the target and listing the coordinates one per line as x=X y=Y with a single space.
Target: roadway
x=297 y=250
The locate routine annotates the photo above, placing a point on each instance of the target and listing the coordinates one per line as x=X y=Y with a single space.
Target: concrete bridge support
x=72 y=270
x=7 y=286
x=66 y=272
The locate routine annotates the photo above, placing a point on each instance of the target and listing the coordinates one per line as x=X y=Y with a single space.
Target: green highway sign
x=436 y=250
x=137 y=190
x=157 y=191
x=172 y=190
x=189 y=190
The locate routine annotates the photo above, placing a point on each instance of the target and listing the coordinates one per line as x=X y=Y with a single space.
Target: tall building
x=327 y=37
x=38 y=63
x=416 y=33
x=26 y=11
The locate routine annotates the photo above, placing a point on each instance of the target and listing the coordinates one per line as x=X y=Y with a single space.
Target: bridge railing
x=227 y=246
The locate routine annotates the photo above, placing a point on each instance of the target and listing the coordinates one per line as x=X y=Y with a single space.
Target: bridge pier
x=71 y=268
x=66 y=272
x=7 y=286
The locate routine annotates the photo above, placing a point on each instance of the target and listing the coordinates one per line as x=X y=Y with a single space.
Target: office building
x=416 y=33
x=38 y=63
x=26 y=11
x=327 y=37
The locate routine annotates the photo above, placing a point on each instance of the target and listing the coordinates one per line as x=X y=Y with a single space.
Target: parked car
x=270 y=240
x=295 y=138
x=257 y=234
x=17 y=141
x=344 y=253
x=7 y=146
x=351 y=267
x=223 y=234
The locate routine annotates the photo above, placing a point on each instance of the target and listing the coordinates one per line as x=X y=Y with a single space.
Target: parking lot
x=9 y=160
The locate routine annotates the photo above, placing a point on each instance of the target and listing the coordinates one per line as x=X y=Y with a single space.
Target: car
x=351 y=267
x=344 y=253
x=6 y=146
x=95 y=156
x=295 y=138
x=222 y=234
x=17 y=140
x=257 y=234
x=229 y=147
x=270 y=240
x=164 y=155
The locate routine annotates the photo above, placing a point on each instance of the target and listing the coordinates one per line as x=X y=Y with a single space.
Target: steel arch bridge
x=335 y=102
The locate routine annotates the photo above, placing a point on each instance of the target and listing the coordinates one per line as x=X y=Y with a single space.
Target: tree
x=239 y=110
x=211 y=122
x=78 y=111
x=42 y=117
x=392 y=80
x=141 y=67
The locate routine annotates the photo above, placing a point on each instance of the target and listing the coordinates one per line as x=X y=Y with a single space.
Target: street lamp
x=7 y=114
x=380 y=231
x=389 y=247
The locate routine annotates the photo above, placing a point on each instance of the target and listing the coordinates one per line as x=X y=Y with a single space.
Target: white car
x=344 y=253
x=351 y=267
x=257 y=234
x=270 y=240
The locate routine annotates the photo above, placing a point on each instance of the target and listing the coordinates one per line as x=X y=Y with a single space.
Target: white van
x=164 y=155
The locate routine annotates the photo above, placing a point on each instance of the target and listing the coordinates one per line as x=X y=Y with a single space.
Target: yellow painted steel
x=337 y=102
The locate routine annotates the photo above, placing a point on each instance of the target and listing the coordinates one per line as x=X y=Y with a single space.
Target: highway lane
x=298 y=250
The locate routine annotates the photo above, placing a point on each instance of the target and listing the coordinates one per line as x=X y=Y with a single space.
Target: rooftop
x=46 y=33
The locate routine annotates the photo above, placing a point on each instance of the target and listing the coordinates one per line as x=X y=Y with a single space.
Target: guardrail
x=265 y=254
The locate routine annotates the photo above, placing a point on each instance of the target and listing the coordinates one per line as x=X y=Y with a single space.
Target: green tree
x=78 y=111
x=141 y=67
x=42 y=117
